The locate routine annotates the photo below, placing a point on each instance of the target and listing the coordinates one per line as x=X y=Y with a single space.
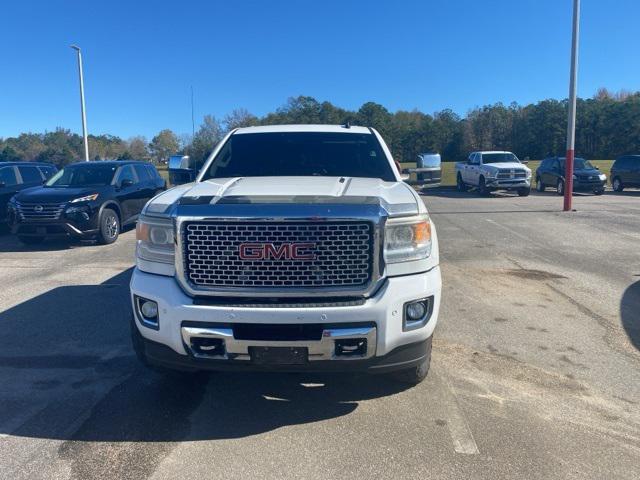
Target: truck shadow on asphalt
x=630 y=313
x=70 y=372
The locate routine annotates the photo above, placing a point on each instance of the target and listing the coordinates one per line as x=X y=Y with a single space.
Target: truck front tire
x=482 y=188
x=462 y=187
x=415 y=375
x=524 y=191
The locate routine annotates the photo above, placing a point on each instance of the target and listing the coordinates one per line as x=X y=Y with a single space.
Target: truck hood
x=396 y=197
x=510 y=165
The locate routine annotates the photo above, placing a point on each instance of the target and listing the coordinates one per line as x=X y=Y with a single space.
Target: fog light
x=415 y=311
x=147 y=312
x=149 y=309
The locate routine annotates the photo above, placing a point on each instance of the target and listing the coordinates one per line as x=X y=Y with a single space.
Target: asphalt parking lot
x=535 y=372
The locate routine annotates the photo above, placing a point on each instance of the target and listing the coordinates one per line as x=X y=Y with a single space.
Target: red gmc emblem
x=269 y=251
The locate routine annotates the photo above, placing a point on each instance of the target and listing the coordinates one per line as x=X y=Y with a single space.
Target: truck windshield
x=83 y=176
x=499 y=158
x=301 y=154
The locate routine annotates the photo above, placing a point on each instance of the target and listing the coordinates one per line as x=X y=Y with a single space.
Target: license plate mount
x=279 y=355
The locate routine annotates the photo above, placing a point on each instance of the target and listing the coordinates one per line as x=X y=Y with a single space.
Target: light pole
x=84 y=114
x=571 y=127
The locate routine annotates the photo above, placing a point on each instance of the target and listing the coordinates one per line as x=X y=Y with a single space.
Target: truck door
x=467 y=169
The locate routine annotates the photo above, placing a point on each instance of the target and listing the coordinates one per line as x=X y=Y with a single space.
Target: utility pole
x=85 y=135
x=571 y=127
x=193 y=122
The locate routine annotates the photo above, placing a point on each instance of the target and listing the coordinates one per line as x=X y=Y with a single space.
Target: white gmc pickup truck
x=297 y=248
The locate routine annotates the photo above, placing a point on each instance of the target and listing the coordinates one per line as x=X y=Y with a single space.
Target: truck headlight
x=407 y=239
x=602 y=177
x=528 y=174
x=491 y=174
x=155 y=239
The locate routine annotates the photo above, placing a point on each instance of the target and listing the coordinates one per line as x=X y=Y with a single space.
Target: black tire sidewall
x=460 y=184
x=619 y=187
x=104 y=237
x=539 y=185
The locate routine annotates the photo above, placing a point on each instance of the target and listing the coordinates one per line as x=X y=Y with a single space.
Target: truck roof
x=302 y=128
x=492 y=151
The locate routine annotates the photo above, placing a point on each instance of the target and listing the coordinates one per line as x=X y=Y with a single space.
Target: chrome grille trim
x=40 y=211
x=507 y=174
x=342 y=254
x=297 y=214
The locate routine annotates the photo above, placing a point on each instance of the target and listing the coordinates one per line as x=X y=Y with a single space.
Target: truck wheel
x=524 y=191
x=482 y=188
x=540 y=186
x=617 y=185
x=109 y=226
x=462 y=187
x=598 y=191
x=415 y=375
x=28 y=240
x=560 y=187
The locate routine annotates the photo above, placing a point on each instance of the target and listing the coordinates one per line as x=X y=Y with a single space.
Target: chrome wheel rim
x=616 y=184
x=111 y=226
x=560 y=187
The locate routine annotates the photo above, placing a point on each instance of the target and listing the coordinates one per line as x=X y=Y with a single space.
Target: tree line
x=608 y=125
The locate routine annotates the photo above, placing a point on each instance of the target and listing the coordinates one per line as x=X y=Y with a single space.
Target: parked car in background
x=625 y=172
x=586 y=177
x=428 y=171
x=489 y=171
x=16 y=176
x=85 y=200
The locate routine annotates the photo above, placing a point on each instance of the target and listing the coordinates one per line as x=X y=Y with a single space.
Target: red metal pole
x=571 y=127
x=568 y=184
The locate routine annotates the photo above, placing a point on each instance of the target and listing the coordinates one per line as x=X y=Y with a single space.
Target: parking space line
x=461 y=435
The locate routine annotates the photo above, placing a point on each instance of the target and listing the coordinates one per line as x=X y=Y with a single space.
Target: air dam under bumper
x=379 y=319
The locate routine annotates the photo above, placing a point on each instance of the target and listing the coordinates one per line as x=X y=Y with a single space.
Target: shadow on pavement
x=67 y=358
x=625 y=193
x=630 y=313
x=10 y=243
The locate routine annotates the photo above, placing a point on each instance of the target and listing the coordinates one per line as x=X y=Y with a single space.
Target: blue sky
x=142 y=57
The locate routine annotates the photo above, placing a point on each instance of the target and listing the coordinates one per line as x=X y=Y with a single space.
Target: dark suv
x=16 y=176
x=586 y=177
x=625 y=172
x=85 y=200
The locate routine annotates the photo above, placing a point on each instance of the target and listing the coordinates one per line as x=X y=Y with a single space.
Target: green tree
x=163 y=145
x=204 y=141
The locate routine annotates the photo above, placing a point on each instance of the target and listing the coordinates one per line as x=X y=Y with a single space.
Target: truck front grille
x=508 y=174
x=264 y=255
x=40 y=211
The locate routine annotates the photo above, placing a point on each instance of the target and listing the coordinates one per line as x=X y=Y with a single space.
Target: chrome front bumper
x=323 y=349
x=508 y=183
